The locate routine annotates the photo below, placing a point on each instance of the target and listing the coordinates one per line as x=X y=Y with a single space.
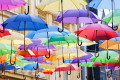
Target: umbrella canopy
x=66 y=53
x=89 y=64
x=16 y=40
x=48 y=5
x=67 y=67
x=67 y=39
x=6 y=49
x=36 y=44
x=97 y=64
x=6 y=32
x=48 y=71
x=34 y=59
x=82 y=59
x=29 y=67
x=33 y=53
x=11 y=4
x=47 y=33
x=7 y=67
x=113 y=67
x=101 y=4
x=73 y=16
x=95 y=32
x=103 y=57
x=116 y=16
x=113 y=43
x=23 y=22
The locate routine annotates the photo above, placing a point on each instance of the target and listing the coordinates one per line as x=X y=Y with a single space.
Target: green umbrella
x=89 y=64
x=6 y=49
x=68 y=39
x=103 y=57
x=116 y=17
x=23 y=62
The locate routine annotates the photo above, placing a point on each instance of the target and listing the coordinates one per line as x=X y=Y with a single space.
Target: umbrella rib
x=106 y=35
x=34 y=26
x=19 y=26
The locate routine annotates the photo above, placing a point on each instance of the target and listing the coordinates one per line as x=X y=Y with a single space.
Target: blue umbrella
x=118 y=33
x=24 y=22
x=29 y=67
x=101 y=4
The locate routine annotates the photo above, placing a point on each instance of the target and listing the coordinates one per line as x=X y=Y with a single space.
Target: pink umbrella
x=8 y=5
x=70 y=68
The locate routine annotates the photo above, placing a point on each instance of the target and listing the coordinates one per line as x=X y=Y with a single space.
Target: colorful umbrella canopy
x=113 y=67
x=103 y=57
x=113 y=43
x=66 y=53
x=82 y=59
x=89 y=64
x=67 y=39
x=48 y=71
x=33 y=53
x=67 y=67
x=97 y=64
x=29 y=67
x=11 y=4
x=48 y=5
x=47 y=33
x=73 y=16
x=6 y=49
x=116 y=16
x=101 y=4
x=95 y=32
x=6 y=32
x=36 y=44
x=14 y=39
x=34 y=59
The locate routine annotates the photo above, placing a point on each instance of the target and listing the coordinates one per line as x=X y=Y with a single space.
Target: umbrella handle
x=108 y=57
x=48 y=56
x=78 y=75
x=27 y=9
x=12 y=63
x=70 y=71
x=3 y=24
x=114 y=28
x=24 y=77
x=63 y=59
x=36 y=67
x=2 y=67
x=96 y=55
x=79 y=42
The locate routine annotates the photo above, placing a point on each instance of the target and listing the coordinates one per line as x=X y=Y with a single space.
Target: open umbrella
x=61 y=6
x=8 y=5
x=103 y=57
x=100 y=4
x=24 y=22
x=6 y=32
x=95 y=32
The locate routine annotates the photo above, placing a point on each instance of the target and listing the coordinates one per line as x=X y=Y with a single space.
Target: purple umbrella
x=36 y=44
x=34 y=59
x=77 y=16
x=82 y=59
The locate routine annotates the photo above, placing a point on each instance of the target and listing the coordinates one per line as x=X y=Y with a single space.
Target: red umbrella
x=97 y=64
x=6 y=32
x=33 y=53
x=95 y=32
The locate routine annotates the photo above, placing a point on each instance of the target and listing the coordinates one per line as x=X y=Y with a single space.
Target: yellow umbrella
x=110 y=45
x=68 y=53
x=15 y=38
x=55 y=5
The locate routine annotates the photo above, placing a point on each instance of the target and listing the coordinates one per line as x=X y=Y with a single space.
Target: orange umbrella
x=33 y=53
